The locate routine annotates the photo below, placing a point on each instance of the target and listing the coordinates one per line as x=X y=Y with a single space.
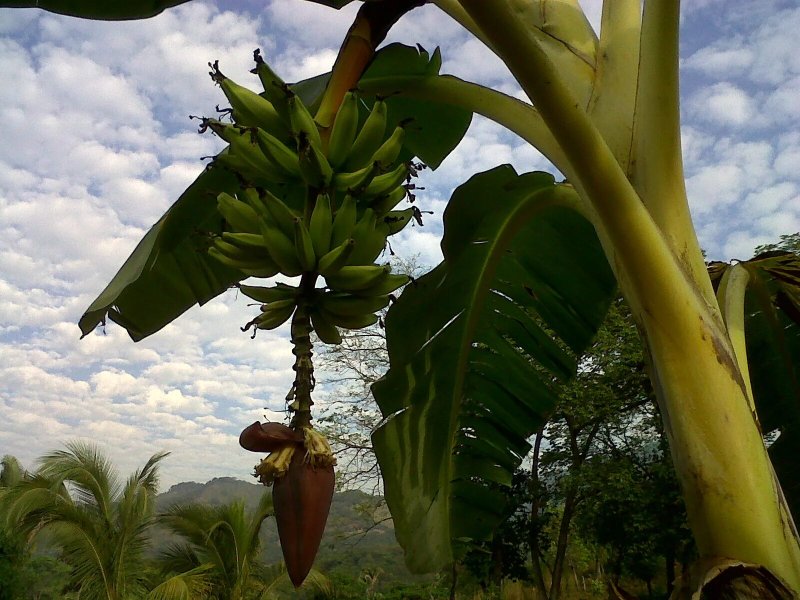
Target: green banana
x=387 y=285
x=314 y=167
x=275 y=88
x=281 y=249
x=396 y=220
x=249 y=108
x=241 y=216
x=372 y=246
x=354 y=322
x=359 y=277
x=302 y=122
x=343 y=132
x=344 y=220
x=262 y=272
x=369 y=139
x=338 y=257
x=321 y=224
x=250 y=267
x=370 y=239
x=355 y=181
x=304 y=246
x=383 y=204
x=390 y=149
x=253 y=198
x=280 y=214
x=278 y=304
x=274 y=317
x=283 y=157
x=246 y=241
x=325 y=330
x=244 y=155
x=386 y=183
x=243 y=169
x=279 y=291
x=347 y=305
x=238 y=253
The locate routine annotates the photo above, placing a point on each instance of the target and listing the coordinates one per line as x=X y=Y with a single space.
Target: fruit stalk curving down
x=319 y=204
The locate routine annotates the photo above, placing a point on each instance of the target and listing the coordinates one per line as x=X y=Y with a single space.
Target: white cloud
x=723 y=104
x=720 y=62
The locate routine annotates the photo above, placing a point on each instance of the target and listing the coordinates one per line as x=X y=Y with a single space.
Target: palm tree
x=220 y=546
x=13 y=551
x=99 y=524
x=11 y=472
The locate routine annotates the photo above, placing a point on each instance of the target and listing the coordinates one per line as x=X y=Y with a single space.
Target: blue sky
x=95 y=144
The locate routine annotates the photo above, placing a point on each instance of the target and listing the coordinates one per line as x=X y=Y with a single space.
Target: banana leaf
x=169 y=272
x=337 y=4
x=772 y=333
x=105 y=10
x=477 y=349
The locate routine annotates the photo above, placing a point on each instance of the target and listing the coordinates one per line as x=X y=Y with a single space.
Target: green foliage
x=786 y=243
x=222 y=539
x=12 y=557
x=472 y=359
x=771 y=317
x=114 y=10
x=219 y=555
x=97 y=522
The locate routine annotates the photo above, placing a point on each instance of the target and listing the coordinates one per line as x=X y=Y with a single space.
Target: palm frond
x=11 y=472
x=178 y=558
x=91 y=475
x=194 y=584
x=264 y=510
x=277 y=585
x=226 y=536
x=30 y=503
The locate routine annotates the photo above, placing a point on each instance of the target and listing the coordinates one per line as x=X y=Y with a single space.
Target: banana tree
x=479 y=345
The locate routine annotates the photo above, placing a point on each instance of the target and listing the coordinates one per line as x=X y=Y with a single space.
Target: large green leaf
x=772 y=327
x=477 y=349
x=169 y=270
x=108 y=10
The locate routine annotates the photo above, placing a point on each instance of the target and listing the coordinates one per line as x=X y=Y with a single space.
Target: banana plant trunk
x=733 y=500
x=636 y=200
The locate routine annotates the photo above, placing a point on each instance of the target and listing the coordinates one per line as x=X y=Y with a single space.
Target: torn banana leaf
x=477 y=349
x=772 y=332
x=169 y=271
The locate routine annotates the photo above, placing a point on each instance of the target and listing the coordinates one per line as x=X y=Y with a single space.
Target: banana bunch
x=350 y=180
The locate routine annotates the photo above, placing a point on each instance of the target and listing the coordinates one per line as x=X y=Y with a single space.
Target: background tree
x=350 y=414
x=13 y=550
x=99 y=524
x=787 y=243
x=219 y=553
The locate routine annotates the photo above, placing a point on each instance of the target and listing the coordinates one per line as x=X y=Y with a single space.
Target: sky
x=95 y=144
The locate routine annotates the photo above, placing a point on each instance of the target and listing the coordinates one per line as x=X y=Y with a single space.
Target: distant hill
x=359 y=534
